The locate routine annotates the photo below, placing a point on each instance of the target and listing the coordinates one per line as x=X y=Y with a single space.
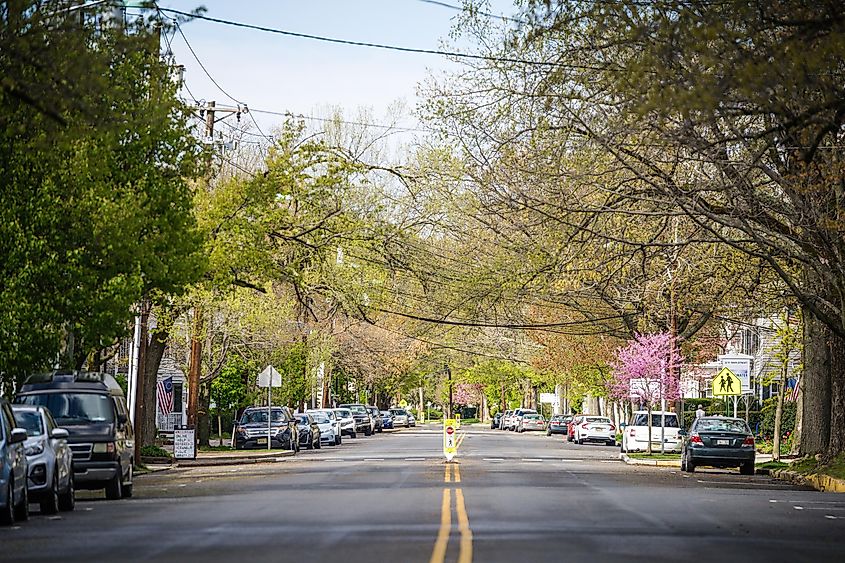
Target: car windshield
x=358 y=409
x=598 y=419
x=385 y=413
x=398 y=411
x=252 y=417
x=74 y=408
x=30 y=421
x=722 y=425
x=641 y=419
x=327 y=414
x=302 y=420
x=344 y=413
x=320 y=418
x=532 y=416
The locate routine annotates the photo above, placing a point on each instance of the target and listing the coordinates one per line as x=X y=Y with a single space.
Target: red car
x=570 y=428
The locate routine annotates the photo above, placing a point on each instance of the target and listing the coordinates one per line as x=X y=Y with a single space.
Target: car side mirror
x=59 y=433
x=122 y=419
x=18 y=435
x=682 y=432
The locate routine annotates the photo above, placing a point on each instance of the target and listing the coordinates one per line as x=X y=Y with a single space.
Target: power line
x=479 y=12
x=380 y=45
x=330 y=120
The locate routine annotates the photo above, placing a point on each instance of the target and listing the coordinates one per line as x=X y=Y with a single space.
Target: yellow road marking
x=457 y=474
x=465 y=553
x=447 y=475
x=439 y=553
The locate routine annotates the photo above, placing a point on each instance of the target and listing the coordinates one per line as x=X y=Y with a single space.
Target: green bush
x=767 y=422
x=434 y=414
x=154 y=451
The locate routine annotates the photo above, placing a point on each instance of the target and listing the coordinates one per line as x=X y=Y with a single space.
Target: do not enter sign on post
x=450 y=444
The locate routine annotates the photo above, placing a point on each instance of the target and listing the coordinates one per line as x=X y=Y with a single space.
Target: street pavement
x=391 y=497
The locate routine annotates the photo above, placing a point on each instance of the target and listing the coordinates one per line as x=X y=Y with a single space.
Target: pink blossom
x=644 y=369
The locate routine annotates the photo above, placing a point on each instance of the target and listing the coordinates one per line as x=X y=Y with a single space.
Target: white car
x=336 y=423
x=635 y=434
x=347 y=422
x=327 y=428
x=595 y=429
x=412 y=422
x=400 y=417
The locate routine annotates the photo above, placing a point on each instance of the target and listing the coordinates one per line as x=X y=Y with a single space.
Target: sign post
x=269 y=378
x=450 y=439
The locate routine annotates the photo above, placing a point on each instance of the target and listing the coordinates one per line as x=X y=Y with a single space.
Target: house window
x=177 y=397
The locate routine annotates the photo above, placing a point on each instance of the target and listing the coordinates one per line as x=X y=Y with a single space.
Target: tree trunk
x=154 y=351
x=815 y=435
x=203 y=418
x=779 y=413
x=219 y=428
x=799 y=414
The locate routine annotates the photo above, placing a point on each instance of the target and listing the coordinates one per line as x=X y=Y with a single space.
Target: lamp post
x=449 y=379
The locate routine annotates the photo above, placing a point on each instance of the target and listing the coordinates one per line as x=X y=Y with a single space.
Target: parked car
x=570 y=427
x=251 y=431
x=496 y=421
x=50 y=475
x=635 y=435
x=558 y=424
x=595 y=429
x=531 y=421
x=400 y=417
x=412 y=421
x=386 y=420
x=718 y=441
x=335 y=420
x=362 y=417
x=14 y=498
x=347 y=422
x=92 y=408
x=506 y=420
x=328 y=435
x=308 y=431
x=516 y=418
x=375 y=415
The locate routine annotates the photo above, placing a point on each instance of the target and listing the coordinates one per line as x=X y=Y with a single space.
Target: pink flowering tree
x=468 y=393
x=645 y=371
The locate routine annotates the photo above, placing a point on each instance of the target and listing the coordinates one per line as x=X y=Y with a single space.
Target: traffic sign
x=726 y=384
x=450 y=444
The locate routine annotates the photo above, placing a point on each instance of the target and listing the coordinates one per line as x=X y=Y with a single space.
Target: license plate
x=598 y=428
x=261 y=441
x=723 y=442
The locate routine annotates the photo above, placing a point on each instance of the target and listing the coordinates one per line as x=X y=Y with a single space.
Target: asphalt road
x=511 y=498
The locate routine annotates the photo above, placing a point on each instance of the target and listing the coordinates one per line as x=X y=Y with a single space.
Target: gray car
x=14 y=500
x=50 y=476
x=719 y=441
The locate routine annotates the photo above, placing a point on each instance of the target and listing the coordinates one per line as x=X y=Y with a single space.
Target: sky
x=303 y=76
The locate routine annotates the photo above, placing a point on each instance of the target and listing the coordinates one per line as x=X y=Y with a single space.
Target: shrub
x=154 y=451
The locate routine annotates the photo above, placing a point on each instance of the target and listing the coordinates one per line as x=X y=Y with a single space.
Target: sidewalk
x=234 y=457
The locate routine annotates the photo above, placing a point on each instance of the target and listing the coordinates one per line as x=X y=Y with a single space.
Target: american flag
x=164 y=394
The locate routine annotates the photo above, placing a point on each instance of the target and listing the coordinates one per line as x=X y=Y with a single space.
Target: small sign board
x=549 y=398
x=269 y=378
x=450 y=438
x=184 y=443
x=726 y=384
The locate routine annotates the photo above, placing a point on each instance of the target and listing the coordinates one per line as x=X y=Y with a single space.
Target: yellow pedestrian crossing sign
x=450 y=438
x=726 y=384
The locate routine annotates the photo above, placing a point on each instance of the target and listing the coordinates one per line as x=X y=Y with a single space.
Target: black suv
x=362 y=416
x=92 y=408
x=251 y=430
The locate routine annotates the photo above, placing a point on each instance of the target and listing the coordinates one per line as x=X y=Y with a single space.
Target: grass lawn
x=215 y=449
x=772 y=465
x=808 y=465
x=656 y=456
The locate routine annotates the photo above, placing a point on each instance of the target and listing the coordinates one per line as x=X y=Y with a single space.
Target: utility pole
x=449 y=379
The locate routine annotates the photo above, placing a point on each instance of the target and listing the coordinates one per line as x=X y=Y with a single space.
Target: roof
x=71 y=380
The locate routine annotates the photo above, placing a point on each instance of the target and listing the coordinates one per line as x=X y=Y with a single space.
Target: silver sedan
x=50 y=478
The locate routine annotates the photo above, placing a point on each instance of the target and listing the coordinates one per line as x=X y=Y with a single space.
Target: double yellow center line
x=438 y=555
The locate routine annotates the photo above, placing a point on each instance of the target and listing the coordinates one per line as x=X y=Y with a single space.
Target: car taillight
x=695 y=439
x=748 y=441
x=612 y=428
x=584 y=426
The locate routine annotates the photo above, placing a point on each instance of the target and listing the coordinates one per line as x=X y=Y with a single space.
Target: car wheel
x=746 y=469
x=7 y=515
x=50 y=503
x=354 y=435
x=127 y=489
x=337 y=440
x=114 y=488
x=611 y=443
x=67 y=499
x=690 y=466
x=22 y=509
x=368 y=432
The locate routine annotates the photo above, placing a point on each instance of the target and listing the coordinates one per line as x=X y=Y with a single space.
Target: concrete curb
x=652 y=462
x=819 y=482
x=229 y=459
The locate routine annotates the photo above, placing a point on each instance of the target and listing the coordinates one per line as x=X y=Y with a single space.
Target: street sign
x=450 y=442
x=269 y=378
x=184 y=443
x=726 y=384
x=549 y=399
